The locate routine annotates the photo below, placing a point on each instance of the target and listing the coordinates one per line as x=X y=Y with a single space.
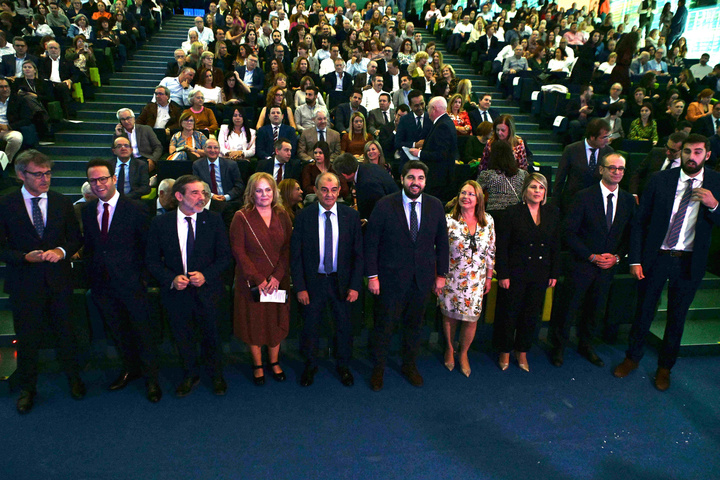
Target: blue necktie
x=37 y=216
x=679 y=218
x=190 y=245
x=413 y=222
x=328 y=255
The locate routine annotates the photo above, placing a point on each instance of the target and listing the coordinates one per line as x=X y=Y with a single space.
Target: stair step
x=700 y=336
x=93 y=137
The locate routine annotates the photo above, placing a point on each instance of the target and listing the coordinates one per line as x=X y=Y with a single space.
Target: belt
x=334 y=274
x=676 y=253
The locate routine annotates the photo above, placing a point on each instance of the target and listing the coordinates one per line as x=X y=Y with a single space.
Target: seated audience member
x=204 y=117
x=145 y=144
x=276 y=97
x=57 y=73
x=580 y=111
x=511 y=67
x=165 y=200
x=282 y=164
x=270 y=133
x=321 y=163
x=707 y=125
x=188 y=144
x=318 y=133
x=382 y=115
x=292 y=197
x=476 y=144
x=614 y=119
x=132 y=175
x=353 y=141
x=222 y=175
x=458 y=115
x=305 y=114
x=504 y=129
x=13 y=138
x=162 y=116
x=645 y=127
x=174 y=66
x=237 y=141
x=373 y=153
x=338 y=84
x=180 y=86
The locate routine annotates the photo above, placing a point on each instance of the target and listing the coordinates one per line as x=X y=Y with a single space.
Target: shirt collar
x=606 y=191
x=113 y=201
x=181 y=217
x=216 y=162
x=322 y=210
x=27 y=194
x=684 y=177
x=406 y=200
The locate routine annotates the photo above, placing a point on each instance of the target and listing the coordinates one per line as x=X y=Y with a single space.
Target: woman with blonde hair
x=291 y=196
x=373 y=153
x=276 y=98
x=353 y=141
x=417 y=67
x=458 y=115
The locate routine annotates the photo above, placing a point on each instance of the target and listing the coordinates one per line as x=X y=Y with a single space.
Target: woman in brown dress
x=260 y=238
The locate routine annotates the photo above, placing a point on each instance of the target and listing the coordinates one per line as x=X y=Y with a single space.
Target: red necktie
x=213 y=181
x=105 y=221
x=279 y=177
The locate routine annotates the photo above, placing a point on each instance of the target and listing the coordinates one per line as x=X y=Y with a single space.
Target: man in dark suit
x=338 y=84
x=174 y=66
x=187 y=251
x=145 y=144
x=364 y=80
x=114 y=253
x=670 y=239
x=344 y=111
x=597 y=230
x=658 y=159
x=369 y=182
x=426 y=83
x=487 y=45
x=407 y=258
x=378 y=117
x=440 y=150
x=38 y=235
x=708 y=124
x=11 y=66
x=402 y=95
x=578 y=169
x=392 y=78
x=484 y=112
x=282 y=165
x=269 y=134
x=412 y=129
x=55 y=70
x=168 y=111
x=222 y=175
x=253 y=76
x=386 y=137
x=133 y=179
x=327 y=269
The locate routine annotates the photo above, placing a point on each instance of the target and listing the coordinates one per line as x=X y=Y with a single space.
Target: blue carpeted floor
x=576 y=422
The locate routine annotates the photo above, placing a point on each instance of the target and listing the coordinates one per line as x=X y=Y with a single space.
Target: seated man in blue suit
x=11 y=66
x=221 y=174
x=283 y=165
x=253 y=76
x=412 y=129
x=269 y=134
x=344 y=111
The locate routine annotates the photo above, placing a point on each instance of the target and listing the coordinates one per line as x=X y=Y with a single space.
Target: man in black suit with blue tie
x=412 y=129
x=133 y=178
x=39 y=233
x=222 y=175
x=115 y=238
x=269 y=134
x=406 y=259
x=327 y=269
x=670 y=239
x=597 y=231
x=187 y=252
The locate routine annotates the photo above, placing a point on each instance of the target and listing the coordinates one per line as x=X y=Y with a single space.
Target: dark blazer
x=586 y=229
x=573 y=173
x=388 y=83
x=525 y=250
x=386 y=137
x=258 y=76
x=419 y=83
x=211 y=255
x=440 y=151
x=45 y=68
x=482 y=45
x=330 y=82
x=373 y=183
x=705 y=126
x=172 y=69
x=139 y=178
x=361 y=80
x=8 y=63
x=264 y=140
x=119 y=259
x=230 y=178
x=305 y=250
x=391 y=254
x=407 y=133
x=342 y=116
x=652 y=163
x=148 y=143
x=652 y=221
x=18 y=236
x=292 y=169
x=375 y=119
x=148 y=116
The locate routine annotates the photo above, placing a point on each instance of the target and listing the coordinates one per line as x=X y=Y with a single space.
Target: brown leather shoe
x=376 y=380
x=624 y=369
x=410 y=371
x=662 y=379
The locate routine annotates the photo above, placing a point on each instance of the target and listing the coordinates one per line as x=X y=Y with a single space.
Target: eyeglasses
x=125 y=119
x=122 y=145
x=38 y=175
x=672 y=150
x=468 y=194
x=614 y=169
x=100 y=180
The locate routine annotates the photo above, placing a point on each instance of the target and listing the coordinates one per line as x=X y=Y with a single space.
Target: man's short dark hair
x=345 y=164
x=101 y=162
x=414 y=165
x=403 y=108
x=31 y=156
x=356 y=90
x=386 y=95
x=697 y=138
x=595 y=127
x=409 y=77
x=683 y=124
x=279 y=143
x=395 y=63
x=275 y=106
x=414 y=94
x=184 y=180
x=678 y=137
x=313 y=88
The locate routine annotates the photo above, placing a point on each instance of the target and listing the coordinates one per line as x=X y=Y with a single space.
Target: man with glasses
x=57 y=71
x=11 y=66
x=145 y=144
x=38 y=235
x=162 y=115
x=597 y=231
x=132 y=173
x=387 y=57
x=658 y=159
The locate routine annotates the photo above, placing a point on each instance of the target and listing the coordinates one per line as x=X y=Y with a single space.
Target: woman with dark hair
x=321 y=163
x=406 y=55
x=644 y=127
x=503 y=180
x=527 y=262
x=475 y=145
x=625 y=49
x=234 y=89
x=291 y=196
x=82 y=56
x=276 y=67
x=634 y=106
x=237 y=141
x=471 y=235
x=504 y=129
x=585 y=64
x=188 y=144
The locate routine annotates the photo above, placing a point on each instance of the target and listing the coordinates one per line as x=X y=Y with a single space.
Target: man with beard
x=670 y=239
x=405 y=262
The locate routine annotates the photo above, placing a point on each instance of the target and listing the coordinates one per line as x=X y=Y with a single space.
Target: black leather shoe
x=77 y=388
x=556 y=356
x=376 y=379
x=279 y=377
x=219 y=386
x=153 y=391
x=410 y=371
x=308 y=375
x=25 y=402
x=187 y=385
x=123 y=379
x=258 y=381
x=346 y=378
x=591 y=356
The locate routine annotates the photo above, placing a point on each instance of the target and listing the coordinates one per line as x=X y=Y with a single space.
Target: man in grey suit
x=133 y=179
x=400 y=97
x=381 y=116
x=311 y=136
x=222 y=175
x=145 y=143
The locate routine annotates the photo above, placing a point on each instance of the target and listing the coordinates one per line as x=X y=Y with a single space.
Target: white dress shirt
x=686 y=240
x=163 y=116
x=418 y=208
x=111 y=209
x=605 y=192
x=321 y=233
x=43 y=204
x=182 y=230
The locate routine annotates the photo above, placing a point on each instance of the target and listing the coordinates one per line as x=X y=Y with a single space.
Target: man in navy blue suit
x=327 y=269
x=187 y=252
x=412 y=129
x=12 y=64
x=253 y=76
x=338 y=84
x=115 y=230
x=282 y=165
x=222 y=175
x=344 y=111
x=406 y=259
x=369 y=182
x=708 y=124
x=269 y=134
x=670 y=239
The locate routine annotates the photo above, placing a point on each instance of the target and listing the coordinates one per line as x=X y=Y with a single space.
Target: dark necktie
x=593 y=159
x=679 y=218
x=279 y=176
x=419 y=125
x=328 y=254
x=321 y=136
x=717 y=123
x=385 y=114
x=609 y=211
x=37 y=216
x=121 y=179
x=413 y=222
x=105 y=222
x=213 y=180
x=190 y=245
x=485 y=117
x=276 y=134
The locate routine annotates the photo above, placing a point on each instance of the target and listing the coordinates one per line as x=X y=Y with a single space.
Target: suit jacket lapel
x=599 y=208
x=314 y=235
x=400 y=211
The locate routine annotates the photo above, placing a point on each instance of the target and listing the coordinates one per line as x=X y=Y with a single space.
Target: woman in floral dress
x=471 y=234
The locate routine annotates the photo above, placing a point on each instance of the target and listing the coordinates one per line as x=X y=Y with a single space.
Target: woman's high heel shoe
x=449 y=364
x=504 y=361
x=258 y=381
x=464 y=366
x=279 y=377
x=523 y=364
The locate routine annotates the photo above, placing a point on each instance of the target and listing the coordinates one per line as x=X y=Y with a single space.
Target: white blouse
x=231 y=141
x=212 y=95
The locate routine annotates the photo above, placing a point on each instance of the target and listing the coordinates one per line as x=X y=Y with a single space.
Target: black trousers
x=30 y=312
x=406 y=308
x=326 y=292
x=125 y=313
x=522 y=305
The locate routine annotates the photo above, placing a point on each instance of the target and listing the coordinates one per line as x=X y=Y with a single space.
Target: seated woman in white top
x=607 y=67
x=237 y=141
x=212 y=94
x=559 y=63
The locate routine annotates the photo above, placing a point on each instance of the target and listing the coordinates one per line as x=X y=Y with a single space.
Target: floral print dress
x=471 y=258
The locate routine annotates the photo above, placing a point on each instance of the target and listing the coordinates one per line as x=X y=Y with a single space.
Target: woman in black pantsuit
x=527 y=262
